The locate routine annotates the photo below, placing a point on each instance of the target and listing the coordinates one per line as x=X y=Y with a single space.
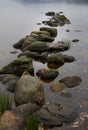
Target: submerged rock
x=47 y=74
x=29 y=90
x=55 y=114
x=57 y=87
x=71 y=81
x=66 y=94
x=18 y=66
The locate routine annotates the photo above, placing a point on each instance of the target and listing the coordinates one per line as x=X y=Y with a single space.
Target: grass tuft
x=5 y=103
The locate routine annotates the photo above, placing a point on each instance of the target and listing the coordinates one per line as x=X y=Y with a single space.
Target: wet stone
x=47 y=74
x=55 y=114
x=71 y=81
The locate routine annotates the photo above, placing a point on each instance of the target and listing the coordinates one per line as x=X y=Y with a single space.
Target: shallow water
x=19 y=18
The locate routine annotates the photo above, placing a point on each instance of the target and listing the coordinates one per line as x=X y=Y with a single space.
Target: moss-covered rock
x=38 y=46
x=56 y=59
x=18 y=66
x=47 y=74
x=18 y=45
x=52 y=31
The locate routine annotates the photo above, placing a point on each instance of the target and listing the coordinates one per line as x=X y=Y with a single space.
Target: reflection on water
x=18 y=20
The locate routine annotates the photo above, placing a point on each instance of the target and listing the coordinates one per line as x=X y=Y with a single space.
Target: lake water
x=20 y=17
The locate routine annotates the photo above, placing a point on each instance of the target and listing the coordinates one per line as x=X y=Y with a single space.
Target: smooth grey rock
x=29 y=90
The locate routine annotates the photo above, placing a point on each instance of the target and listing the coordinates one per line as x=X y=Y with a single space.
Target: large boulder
x=71 y=81
x=29 y=90
x=52 y=31
x=18 y=66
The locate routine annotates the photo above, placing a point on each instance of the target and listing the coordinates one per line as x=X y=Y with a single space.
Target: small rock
x=67 y=58
x=66 y=94
x=47 y=74
x=75 y=40
x=50 y=13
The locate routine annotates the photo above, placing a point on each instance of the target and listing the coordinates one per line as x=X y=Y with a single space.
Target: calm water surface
x=19 y=18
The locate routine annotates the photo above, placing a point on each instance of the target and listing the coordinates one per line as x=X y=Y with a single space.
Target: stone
x=28 y=41
x=29 y=90
x=67 y=58
x=40 y=32
x=18 y=45
x=47 y=74
x=11 y=85
x=75 y=40
x=60 y=46
x=11 y=121
x=26 y=109
x=55 y=114
x=29 y=54
x=8 y=78
x=14 y=119
x=57 y=87
x=56 y=59
x=38 y=46
x=71 y=81
x=18 y=66
x=52 y=31
x=34 y=55
x=50 y=13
